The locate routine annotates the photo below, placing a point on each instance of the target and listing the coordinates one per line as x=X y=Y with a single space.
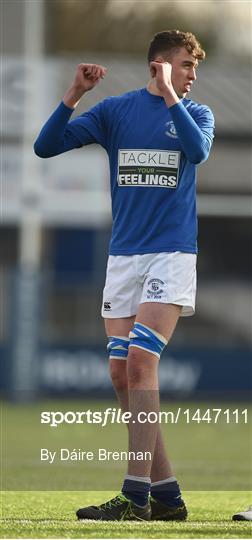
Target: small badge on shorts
x=107 y=306
x=155 y=288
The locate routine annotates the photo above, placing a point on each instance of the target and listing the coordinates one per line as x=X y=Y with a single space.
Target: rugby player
x=155 y=137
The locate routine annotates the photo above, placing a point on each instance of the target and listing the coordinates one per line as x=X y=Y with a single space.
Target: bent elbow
x=41 y=151
x=199 y=156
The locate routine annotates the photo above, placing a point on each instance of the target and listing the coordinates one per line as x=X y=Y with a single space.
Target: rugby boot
x=117 y=509
x=162 y=512
x=243 y=516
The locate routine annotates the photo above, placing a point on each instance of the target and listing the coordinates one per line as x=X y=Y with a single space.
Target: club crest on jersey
x=171 y=130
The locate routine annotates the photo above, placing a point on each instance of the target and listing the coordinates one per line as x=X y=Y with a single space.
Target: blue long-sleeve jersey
x=153 y=151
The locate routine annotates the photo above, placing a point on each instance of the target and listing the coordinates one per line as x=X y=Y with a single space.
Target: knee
x=139 y=368
x=118 y=374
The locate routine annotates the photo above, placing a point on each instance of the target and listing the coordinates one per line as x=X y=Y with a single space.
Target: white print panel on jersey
x=151 y=168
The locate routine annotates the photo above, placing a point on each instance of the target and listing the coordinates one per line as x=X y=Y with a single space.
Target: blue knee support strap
x=118 y=347
x=147 y=339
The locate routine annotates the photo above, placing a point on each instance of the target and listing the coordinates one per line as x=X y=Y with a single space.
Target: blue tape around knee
x=145 y=338
x=118 y=347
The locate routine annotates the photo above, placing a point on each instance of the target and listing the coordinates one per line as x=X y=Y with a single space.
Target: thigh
x=160 y=317
x=119 y=327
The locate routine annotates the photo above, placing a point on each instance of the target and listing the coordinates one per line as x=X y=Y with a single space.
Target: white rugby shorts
x=168 y=278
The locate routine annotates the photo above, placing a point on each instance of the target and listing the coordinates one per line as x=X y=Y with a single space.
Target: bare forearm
x=72 y=96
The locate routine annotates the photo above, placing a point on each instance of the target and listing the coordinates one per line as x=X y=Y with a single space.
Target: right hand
x=86 y=77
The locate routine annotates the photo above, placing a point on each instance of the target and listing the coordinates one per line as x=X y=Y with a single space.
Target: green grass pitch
x=52 y=515
x=38 y=500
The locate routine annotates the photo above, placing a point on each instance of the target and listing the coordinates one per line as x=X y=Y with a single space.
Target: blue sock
x=167 y=491
x=137 y=488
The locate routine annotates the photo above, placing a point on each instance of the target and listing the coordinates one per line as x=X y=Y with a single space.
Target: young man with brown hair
x=154 y=138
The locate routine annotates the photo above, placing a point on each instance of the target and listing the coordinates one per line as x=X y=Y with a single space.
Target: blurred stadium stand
x=70 y=194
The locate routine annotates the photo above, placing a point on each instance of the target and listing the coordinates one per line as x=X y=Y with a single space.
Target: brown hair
x=164 y=42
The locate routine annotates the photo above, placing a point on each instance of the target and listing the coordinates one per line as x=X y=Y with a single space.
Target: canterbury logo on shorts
x=150 y=168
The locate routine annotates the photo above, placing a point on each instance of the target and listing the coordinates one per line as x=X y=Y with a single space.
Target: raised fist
x=88 y=75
